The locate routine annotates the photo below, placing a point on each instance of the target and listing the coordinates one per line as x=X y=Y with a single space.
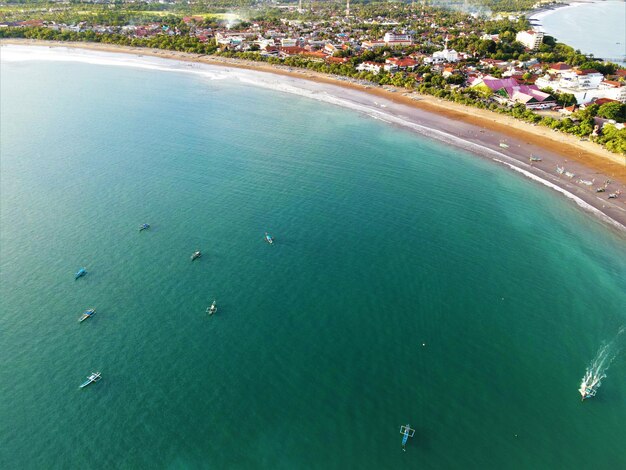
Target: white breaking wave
x=280 y=83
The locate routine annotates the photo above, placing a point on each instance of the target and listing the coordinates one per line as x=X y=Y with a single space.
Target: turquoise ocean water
x=409 y=283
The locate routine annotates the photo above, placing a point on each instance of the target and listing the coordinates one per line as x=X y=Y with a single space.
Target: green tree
x=614 y=110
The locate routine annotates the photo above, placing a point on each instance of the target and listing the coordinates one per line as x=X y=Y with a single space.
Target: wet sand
x=500 y=138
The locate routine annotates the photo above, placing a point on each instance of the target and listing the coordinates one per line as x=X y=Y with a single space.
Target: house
x=371 y=45
x=289 y=42
x=369 y=66
x=330 y=49
x=530 y=39
x=402 y=63
x=569 y=110
x=613 y=90
x=559 y=68
x=284 y=52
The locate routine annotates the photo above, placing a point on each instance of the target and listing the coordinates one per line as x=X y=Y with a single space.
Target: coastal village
x=498 y=62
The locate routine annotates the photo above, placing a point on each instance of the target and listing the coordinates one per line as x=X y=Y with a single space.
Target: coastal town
x=496 y=61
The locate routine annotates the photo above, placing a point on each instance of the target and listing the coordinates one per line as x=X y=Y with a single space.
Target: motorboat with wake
x=81 y=272
x=196 y=254
x=268 y=238
x=212 y=309
x=589 y=386
x=87 y=314
x=143 y=227
x=94 y=377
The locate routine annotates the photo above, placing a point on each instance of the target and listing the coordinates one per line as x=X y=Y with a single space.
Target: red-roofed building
x=559 y=67
x=402 y=63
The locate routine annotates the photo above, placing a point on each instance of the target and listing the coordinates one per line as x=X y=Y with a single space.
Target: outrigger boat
x=94 y=377
x=87 y=314
x=81 y=272
x=143 y=227
x=569 y=174
x=268 y=238
x=212 y=309
x=406 y=432
x=560 y=169
x=586 y=182
x=196 y=255
x=535 y=159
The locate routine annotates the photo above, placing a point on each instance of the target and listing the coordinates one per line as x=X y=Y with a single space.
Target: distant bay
x=597 y=28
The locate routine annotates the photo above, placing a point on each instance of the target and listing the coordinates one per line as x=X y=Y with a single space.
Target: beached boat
x=600 y=190
x=212 y=309
x=196 y=255
x=88 y=313
x=143 y=227
x=569 y=174
x=81 y=272
x=268 y=238
x=94 y=377
x=406 y=432
x=585 y=182
x=535 y=159
x=560 y=169
x=503 y=145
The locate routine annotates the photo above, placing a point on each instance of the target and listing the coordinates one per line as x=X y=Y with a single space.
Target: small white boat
x=88 y=313
x=212 y=309
x=585 y=182
x=503 y=145
x=569 y=174
x=94 y=377
x=196 y=255
x=560 y=169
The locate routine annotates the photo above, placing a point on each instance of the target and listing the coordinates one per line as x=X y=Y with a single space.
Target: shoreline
x=477 y=131
x=604 y=52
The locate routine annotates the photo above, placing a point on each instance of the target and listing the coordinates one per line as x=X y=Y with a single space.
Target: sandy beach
x=502 y=139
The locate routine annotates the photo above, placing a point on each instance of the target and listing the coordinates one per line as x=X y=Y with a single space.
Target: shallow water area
x=409 y=282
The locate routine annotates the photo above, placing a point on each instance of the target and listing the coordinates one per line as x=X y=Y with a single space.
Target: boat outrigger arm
x=406 y=432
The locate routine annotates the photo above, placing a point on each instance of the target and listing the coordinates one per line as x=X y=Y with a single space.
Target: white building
x=393 y=39
x=585 y=85
x=531 y=39
x=369 y=66
x=289 y=42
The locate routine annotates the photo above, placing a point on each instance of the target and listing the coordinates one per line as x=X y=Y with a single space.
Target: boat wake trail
x=596 y=371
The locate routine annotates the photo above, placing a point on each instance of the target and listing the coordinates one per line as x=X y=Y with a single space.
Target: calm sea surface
x=598 y=28
x=409 y=283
